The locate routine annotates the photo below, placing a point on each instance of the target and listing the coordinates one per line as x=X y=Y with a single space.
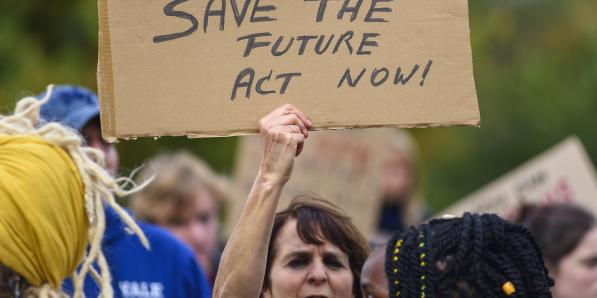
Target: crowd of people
x=62 y=232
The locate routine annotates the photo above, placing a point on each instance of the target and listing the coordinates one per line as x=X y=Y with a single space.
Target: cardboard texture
x=171 y=67
x=564 y=174
x=340 y=166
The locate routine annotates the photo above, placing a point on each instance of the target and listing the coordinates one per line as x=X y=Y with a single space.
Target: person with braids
x=311 y=249
x=568 y=236
x=169 y=269
x=477 y=255
x=52 y=196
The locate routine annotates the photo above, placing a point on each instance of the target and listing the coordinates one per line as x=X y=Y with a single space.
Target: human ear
x=553 y=270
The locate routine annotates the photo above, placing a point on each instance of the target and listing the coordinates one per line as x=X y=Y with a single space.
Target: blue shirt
x=168 y=269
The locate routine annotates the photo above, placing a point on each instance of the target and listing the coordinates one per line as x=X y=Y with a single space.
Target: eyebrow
x=330 y=254
x=298 y=253
x=305 y=253
x=591 y=257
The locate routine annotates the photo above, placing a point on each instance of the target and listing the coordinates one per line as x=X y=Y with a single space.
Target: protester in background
x=568 y=237
x=311 y=249
x=169 y=269
x=185 y=197
x=401 y=204
x=78 y=108
x=52 y=194
x=472 y=256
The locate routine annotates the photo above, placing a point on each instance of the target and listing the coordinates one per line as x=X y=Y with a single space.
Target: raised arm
x=242 y=267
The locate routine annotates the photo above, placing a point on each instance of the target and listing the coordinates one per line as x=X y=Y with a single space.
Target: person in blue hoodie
x=169 y=268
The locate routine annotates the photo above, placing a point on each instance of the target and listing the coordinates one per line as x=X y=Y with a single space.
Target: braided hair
x=473 y=256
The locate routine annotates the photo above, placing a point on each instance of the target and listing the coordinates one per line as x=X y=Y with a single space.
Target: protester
x=568 y=237
x=374 y=283
x=401 y=204
x=311 y=249
x=472 y=256
x=52 y=194
x=169 y=268
x=185 y=197
x=78 y=108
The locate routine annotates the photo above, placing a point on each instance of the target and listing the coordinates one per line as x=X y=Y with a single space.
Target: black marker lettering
x=258 y=86
x=348 y=78
x=323 y=4
x=373 y=9
x=275 y=48
x=266 y=8
x=318 y=48
x=239 y=16
x=304 y=39
x=169 y=11
x=426 y=72
x=399 y=78
x=354 y=10
x=238 y=83
x=287 y=77
x=251 y=44
x=366 y=43
x=346 y=37
x=374 y=76
x=211 y=13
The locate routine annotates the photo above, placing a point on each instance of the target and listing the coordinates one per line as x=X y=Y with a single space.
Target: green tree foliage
x=535 y=65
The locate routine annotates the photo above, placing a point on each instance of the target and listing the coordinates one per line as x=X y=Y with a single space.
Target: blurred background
x=535 y=65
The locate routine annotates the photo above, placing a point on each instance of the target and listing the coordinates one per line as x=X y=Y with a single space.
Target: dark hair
x=557 y=228
x=319 y=220
x=11 y=283
x=473 y=256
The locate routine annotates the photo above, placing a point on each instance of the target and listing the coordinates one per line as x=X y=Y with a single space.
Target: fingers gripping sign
x=283 y=133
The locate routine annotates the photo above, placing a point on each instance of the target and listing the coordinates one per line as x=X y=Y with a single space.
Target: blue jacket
x=168 y=270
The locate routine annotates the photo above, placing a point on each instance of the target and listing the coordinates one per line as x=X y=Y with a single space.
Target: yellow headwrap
x=52 y=196
x=43 y=222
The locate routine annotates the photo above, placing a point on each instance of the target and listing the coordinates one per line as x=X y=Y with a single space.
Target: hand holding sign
x=283 y=133
x=242 y=267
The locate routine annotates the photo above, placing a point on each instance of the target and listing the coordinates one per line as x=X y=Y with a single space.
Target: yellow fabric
x=43 y=223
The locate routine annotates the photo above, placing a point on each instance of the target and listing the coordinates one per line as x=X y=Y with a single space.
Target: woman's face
x=576 y=275
x=198 y=225
x=305 y=270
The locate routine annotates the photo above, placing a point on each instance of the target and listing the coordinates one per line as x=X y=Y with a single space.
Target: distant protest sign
x=342 y=167
x=564 y=174
x=214 y=68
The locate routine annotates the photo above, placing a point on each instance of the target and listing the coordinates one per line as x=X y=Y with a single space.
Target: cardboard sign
x=564 y=174
x=342 y=167
x=215 y=67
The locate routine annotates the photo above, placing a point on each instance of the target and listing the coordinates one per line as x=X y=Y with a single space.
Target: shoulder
x=180 y=260
x=168 y=262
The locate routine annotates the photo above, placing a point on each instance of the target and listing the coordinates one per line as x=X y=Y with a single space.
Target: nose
x=197 y=234
x=318 y=274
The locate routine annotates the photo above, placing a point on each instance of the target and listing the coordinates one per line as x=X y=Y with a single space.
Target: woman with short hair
x=311 y=249
x=185 y=197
